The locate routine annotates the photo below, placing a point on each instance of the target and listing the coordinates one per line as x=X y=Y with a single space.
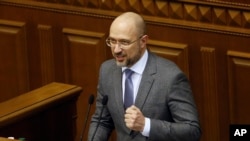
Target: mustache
x=119 y=54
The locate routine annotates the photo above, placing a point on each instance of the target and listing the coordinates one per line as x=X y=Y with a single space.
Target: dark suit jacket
x=164 y=96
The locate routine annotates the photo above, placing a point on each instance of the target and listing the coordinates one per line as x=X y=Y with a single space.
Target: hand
x=134 y=119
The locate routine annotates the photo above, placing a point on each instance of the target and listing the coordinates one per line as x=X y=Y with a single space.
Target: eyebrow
x=121 y=39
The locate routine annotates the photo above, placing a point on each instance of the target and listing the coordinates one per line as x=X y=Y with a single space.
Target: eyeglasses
x=123 y=44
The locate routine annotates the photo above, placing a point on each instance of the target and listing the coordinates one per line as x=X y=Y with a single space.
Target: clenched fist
x=134 y=119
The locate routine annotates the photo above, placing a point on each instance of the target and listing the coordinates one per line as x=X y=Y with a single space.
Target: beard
x=128 y=61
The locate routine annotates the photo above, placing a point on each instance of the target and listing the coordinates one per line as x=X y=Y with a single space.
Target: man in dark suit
x=162 y=107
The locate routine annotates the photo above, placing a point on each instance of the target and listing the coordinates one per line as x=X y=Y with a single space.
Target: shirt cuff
x=146 y=129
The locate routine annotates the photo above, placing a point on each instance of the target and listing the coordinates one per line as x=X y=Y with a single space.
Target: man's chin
x=121 y=64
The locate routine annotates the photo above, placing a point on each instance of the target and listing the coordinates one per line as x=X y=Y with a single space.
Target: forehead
x=121 y=29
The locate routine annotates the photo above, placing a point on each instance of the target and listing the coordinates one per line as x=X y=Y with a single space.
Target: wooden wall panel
x=83 y=55
x=14 y=76
x=175 y=52
x=239 y=90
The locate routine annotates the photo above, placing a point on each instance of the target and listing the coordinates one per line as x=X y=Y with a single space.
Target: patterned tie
x=129 y=89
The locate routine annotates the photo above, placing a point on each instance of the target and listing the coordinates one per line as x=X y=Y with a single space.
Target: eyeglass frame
x=122 y=45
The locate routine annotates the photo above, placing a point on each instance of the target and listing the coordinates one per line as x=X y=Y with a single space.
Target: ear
x=144 y=40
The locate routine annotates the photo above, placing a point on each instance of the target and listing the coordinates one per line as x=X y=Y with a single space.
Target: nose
x=117 y=48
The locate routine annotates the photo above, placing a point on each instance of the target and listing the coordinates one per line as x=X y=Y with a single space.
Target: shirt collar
x=139 y=66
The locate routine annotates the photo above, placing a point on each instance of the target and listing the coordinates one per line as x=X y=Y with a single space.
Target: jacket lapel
x=146 y=82
x=117 y=79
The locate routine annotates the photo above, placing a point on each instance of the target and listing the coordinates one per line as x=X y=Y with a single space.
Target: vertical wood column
x=46 y=52
x=210 y=93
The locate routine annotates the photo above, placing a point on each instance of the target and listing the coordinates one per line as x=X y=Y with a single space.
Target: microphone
x=91 y=101
x=104 y=103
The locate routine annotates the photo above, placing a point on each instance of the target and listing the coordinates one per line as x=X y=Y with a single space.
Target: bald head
x=129 y=39
x=131 y=22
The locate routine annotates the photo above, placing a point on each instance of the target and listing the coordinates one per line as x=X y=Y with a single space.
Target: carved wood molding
x=224 y=19
x=232 y=2
x=197 y=15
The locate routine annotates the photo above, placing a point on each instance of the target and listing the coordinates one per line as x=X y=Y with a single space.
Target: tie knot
x=128 y=73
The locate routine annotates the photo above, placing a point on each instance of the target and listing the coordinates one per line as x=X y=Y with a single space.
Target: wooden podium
x=5 y=139
x=44 y=114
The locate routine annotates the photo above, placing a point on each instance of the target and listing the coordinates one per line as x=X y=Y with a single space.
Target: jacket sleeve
x=185 y=124
x=101 y=121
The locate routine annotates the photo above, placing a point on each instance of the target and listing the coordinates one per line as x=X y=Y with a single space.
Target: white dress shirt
x=138 y=69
